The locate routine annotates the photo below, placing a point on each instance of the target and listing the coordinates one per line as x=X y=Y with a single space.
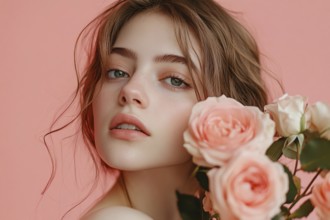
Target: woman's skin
x=141 y=110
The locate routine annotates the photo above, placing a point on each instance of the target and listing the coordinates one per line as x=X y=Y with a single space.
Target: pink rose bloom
x=220 y=126
x=321 y=198
x=207 y=204
x=288 y=114
x=249 y=187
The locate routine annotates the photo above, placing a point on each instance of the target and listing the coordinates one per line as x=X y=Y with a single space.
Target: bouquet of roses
x=237 y=150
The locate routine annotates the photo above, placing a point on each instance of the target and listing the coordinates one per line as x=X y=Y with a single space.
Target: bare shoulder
x=117 y=212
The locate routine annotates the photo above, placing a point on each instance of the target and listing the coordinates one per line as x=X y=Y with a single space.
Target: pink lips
x=127 y=134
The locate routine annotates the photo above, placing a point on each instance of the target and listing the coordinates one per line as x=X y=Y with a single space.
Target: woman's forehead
x=155 y=31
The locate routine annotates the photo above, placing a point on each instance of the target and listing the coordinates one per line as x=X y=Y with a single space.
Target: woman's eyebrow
x=124 y=52
x=165 y=58
x=170 y=58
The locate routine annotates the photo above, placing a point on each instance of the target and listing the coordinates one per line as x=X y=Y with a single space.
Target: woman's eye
x=113 y=74
x=176 y=82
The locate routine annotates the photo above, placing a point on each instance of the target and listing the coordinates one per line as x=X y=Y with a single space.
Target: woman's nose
x=133 y=93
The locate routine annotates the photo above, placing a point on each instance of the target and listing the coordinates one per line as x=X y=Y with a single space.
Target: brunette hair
x=229 y=60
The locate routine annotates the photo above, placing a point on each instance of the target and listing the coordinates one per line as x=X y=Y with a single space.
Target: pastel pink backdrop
x=37 y=77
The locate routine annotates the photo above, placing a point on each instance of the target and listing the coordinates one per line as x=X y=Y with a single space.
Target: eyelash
x=114 y=71
x=181 y=80
x=183 y=83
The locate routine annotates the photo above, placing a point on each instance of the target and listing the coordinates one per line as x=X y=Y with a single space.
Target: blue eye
x=176 y=82
x=113 y=74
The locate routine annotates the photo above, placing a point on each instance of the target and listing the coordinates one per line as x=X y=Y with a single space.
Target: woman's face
x=143 y=105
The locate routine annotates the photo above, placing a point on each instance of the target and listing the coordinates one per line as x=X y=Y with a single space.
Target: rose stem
x=307 y=188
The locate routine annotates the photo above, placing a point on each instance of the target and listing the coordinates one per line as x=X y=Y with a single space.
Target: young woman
x=149 y=62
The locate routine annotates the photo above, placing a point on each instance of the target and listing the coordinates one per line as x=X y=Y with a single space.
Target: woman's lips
x=125 y=131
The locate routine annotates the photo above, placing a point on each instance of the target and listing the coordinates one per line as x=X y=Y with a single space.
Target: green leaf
x=291 y=194
x=291 y=149
x=297 y=183
x=300 y=140
x=274 y=152
x=290 y=139
x=202 y=178
x=315 y=155
x=284 y=213
x=310 y=135
x=277 y=217
x=304 y=210
x=293 y=145
x=190 y=207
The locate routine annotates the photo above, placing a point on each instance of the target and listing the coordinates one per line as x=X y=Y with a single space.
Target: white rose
x=318 y=116
x=288 y=114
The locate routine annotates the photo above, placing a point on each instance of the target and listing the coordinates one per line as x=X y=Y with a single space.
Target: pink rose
x=321 y=198
x=218 y=127
x=249 y=187
x=288 y=114
x=318 y=116
x=207 y=204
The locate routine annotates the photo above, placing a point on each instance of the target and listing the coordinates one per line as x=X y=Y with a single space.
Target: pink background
x=37 y=77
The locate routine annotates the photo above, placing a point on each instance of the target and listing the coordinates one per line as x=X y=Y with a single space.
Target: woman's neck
x=151 y=191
